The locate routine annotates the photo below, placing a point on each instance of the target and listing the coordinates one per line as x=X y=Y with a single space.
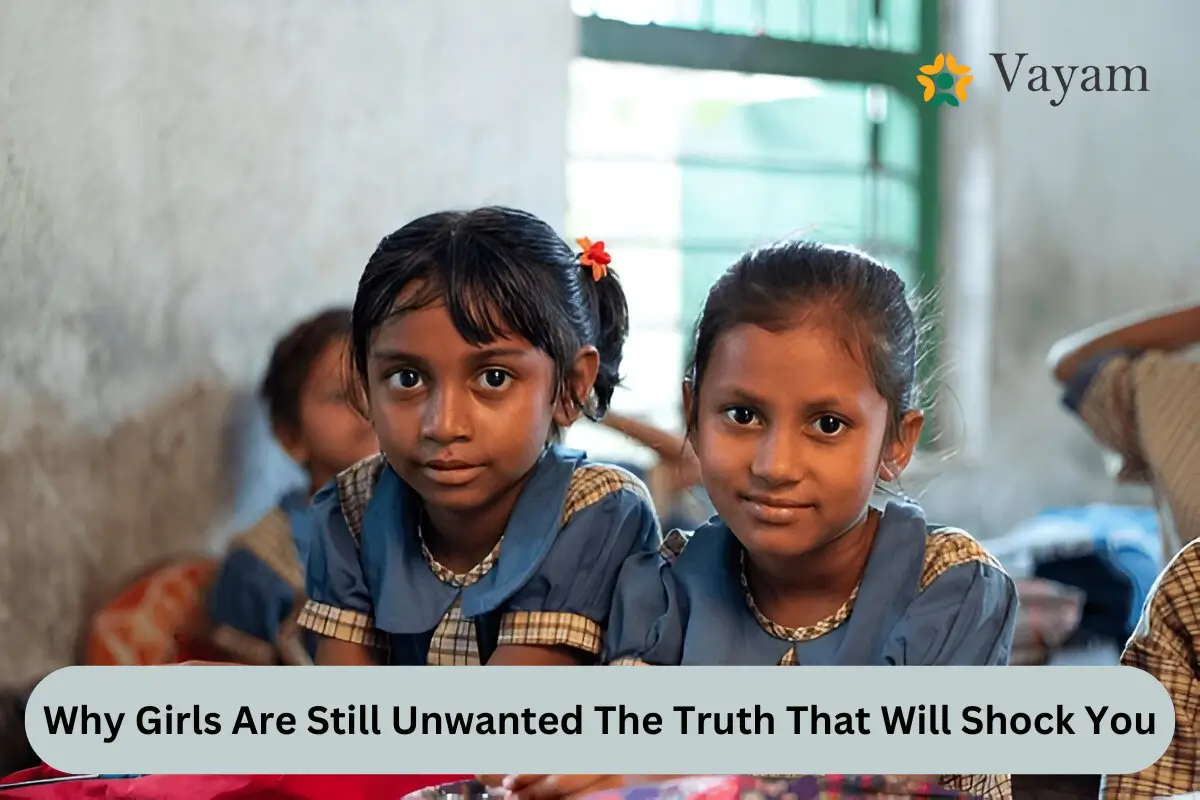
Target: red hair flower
x=595 y=256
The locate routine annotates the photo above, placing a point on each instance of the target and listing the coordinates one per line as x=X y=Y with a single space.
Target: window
x=700 y=128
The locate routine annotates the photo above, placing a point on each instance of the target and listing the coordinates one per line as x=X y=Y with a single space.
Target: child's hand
x=553 y=787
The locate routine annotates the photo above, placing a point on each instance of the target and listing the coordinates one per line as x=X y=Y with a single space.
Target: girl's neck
x=317 y=478
x=802 y=591
x=460 y=540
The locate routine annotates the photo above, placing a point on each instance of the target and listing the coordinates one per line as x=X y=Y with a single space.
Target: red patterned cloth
x=154 y=619
x=214 y=787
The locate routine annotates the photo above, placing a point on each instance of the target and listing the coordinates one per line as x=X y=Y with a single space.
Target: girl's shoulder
x=270 y=541
x=707 y=542
x=350 y=493
x=947 y=547
x=592 y=482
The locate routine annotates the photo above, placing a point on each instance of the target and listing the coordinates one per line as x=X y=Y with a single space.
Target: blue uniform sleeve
x=964 y=618
x=649 y=613
x=339 y=604
x=248 y=604
x=568 y=600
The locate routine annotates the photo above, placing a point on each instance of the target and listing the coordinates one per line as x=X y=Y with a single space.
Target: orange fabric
x=153 y=620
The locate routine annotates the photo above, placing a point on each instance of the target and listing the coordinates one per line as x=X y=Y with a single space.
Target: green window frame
x=842 y=48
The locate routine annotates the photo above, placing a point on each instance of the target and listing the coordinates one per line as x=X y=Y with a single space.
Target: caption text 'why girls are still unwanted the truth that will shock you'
x=688 y=720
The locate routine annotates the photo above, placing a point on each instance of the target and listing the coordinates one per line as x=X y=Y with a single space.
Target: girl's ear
x=689 y=398
x=899 y=451
x=580 y=380
x=292 y=443
x=355 y=387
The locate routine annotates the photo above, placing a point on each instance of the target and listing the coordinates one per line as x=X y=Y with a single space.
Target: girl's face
x=790 y=436
x=332 y=435
x=462 y=425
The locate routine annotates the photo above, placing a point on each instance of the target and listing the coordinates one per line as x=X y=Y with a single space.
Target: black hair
x=292 y=361
x=770 y=286
x=499 y=271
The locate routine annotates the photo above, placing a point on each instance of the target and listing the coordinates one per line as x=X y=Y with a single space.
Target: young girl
x=801 y=400
x=475 y=538
x=259 y=590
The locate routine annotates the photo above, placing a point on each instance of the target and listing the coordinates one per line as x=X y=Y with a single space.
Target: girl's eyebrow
x=389 y=355
x=495 y=353
x=736 y=394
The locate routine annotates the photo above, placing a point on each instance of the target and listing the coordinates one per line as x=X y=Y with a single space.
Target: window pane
x=899 y=210
x=838 y=22
x=901 y=129
x=784 y=123
x=689 y=169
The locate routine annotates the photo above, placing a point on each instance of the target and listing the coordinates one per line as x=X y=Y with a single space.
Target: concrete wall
x=1093 y=215
x=178 y=183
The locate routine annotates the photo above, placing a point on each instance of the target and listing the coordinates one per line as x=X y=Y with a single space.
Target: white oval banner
x=682 y=720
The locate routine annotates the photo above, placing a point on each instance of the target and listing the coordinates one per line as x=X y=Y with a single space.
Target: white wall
x=1095 y=215
x=178 y=183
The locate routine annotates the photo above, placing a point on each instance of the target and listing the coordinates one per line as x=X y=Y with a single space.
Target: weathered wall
x=178 y=183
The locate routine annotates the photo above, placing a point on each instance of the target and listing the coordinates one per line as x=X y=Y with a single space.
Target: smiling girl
x=801 y=401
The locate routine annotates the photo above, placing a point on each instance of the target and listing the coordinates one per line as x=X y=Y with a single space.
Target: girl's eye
x=829 y=425
x=494 y=378
x=740 y=415
x=404 y=379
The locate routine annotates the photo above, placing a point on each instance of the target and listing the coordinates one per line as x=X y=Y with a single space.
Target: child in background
x=475 y=538
x=259 y=590
x=801 y=399
x=1127 y=383
x=674 y=481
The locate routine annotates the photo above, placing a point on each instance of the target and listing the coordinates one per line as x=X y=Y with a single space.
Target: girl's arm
x=521 y=655
x=339 y=609
x=336 y=653
x=1168 y=331
x=667 y=445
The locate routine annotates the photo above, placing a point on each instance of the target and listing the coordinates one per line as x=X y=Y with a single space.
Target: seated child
x=259 y=590
x=801 y=398
x=475 y=538
x=1127 y=383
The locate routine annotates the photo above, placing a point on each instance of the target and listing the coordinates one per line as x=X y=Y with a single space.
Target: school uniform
x=1166 y=644
x=1145 y=407
x=256 y=599
x=929 y=596
x=549 y=581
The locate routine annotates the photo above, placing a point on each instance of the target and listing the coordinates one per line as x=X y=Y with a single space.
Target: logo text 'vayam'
x=1059 y=80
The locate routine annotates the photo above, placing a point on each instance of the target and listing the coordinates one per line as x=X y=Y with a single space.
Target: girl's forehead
x=430 y=328
x=788 y=359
